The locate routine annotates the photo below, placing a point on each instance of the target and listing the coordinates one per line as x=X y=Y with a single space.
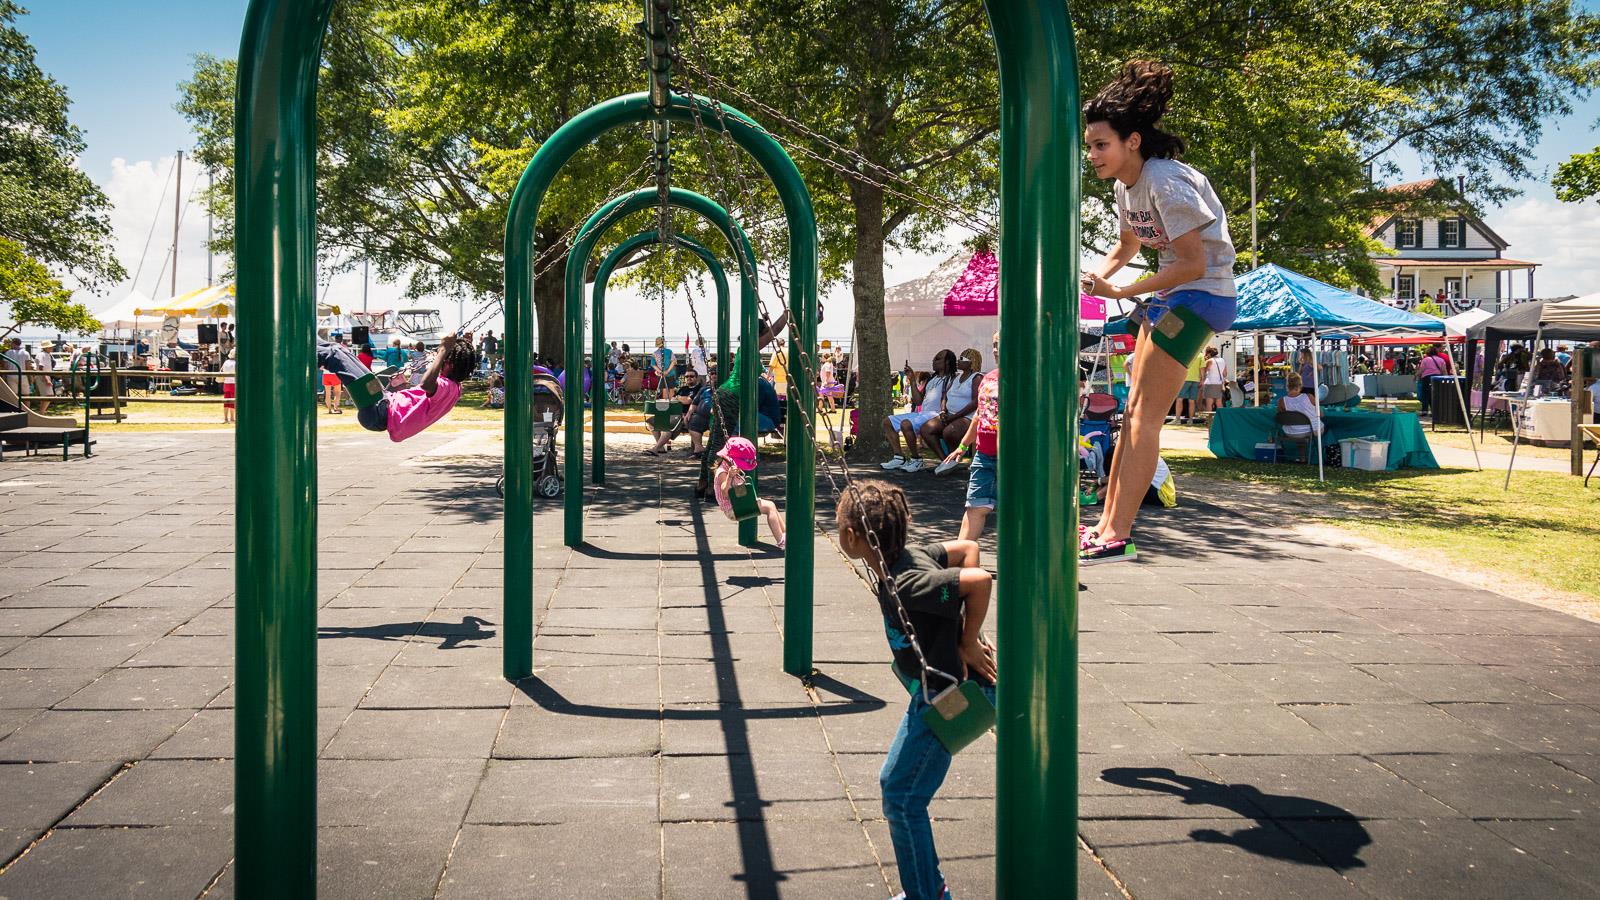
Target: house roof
x=1499 y=264
x=1421 y=186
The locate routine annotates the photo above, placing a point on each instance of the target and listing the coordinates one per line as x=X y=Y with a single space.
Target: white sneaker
x=912 y=465
x=894 y=462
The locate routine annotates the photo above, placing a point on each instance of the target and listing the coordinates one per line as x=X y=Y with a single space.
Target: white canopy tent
x=1579 y=312
x=126 y=313
x=917 y=326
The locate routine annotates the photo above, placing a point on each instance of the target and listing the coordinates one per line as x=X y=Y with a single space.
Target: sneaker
x=946 y=466
x=894 y=462
x=1115 y=551
x=912 y=465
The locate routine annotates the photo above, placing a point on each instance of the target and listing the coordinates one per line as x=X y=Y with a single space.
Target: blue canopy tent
x=1275 y=300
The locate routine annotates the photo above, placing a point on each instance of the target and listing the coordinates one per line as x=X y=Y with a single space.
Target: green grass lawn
x=1546 y=529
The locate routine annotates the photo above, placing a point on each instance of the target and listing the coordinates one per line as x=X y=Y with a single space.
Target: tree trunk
x=871 y=350
x=550 y=306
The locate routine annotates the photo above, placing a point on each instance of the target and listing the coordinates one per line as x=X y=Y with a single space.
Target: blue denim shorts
x=981 y=481
x=1218 y=312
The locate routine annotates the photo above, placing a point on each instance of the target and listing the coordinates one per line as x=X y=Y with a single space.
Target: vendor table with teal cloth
x=1235 y=431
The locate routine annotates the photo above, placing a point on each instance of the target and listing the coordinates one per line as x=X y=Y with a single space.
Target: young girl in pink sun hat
x=737 y=457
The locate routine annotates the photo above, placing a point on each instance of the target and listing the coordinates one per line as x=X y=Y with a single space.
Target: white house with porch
x=1460 y=256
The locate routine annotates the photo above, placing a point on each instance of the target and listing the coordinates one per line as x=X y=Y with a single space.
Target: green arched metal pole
x=597 y=324
x=578 y=258
x=577 y=133
x=275 y=552
x=1040 y=148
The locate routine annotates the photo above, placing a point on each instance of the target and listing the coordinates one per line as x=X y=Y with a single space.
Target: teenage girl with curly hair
x=1167 y=206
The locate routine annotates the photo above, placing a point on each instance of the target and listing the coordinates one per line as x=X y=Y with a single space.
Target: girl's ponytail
x=1134 y=103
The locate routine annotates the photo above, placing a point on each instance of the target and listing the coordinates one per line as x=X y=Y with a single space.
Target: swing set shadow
x=760 y=875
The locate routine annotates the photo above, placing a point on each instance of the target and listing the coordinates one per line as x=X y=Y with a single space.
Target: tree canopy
x=1579 y=177
x=35 y=297
x=48 y=206
x=431 y=109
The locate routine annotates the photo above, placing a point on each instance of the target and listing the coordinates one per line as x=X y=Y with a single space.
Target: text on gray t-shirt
x=1169 y=200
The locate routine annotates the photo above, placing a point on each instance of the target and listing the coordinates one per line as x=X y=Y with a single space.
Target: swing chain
x=808 y=367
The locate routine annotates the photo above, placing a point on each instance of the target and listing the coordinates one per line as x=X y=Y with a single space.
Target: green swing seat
x=659 y=413
x=742 y=496
x=957 y=715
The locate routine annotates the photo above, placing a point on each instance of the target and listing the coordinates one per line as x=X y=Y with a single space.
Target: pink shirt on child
x=725 y=474
x=411 y=411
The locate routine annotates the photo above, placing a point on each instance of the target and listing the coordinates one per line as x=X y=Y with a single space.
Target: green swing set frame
x=276 y=522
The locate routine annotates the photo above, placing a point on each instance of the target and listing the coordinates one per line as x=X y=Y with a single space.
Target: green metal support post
x=597 y=319
x=275 y=555
x=1040 y=152
x=578 y=258
x=521 y=220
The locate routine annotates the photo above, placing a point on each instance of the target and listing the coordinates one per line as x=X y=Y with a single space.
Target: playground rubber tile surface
x=191 y=687
x=41 y=688
x=1258 y=717
x=1434 y=857
x=1329 y=682
x=72 y=735
x=133 y=863
x=550 y=791
x=1322 y=787
x=555 y=861
x=1500 y=786
x=1565 y=846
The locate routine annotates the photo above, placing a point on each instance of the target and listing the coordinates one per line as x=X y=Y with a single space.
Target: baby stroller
x=548 y=412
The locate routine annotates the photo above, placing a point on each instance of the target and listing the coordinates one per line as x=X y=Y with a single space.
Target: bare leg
x=963 y=554
x=911 y=440
x=1157 y=379
x=972 y=523
x=955 y=431
x=929 y=435
x=774 y=518
x=892 y=436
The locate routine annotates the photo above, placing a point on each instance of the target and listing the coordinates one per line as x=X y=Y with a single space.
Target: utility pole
x=177 y=216
x=1255 y=249
x=211 y=183
x=365 y=264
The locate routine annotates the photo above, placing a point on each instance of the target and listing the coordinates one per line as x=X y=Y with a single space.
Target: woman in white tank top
x=955 y=412
x=1296 y=401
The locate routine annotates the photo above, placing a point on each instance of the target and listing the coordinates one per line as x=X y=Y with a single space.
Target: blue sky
x=121 y=63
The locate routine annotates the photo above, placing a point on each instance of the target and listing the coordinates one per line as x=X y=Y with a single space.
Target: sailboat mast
x=211 y=183
x=177 y=216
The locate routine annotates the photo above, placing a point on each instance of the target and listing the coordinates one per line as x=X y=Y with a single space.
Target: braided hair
x=878 y=508
x=1133 y=103
x=461 y=361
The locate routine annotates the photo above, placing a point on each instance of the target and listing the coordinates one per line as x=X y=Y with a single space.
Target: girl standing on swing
x=1167 y=206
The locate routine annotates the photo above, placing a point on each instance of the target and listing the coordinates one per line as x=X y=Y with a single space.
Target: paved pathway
x=1260 y=718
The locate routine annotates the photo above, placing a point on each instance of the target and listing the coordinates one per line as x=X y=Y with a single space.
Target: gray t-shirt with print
x=1170 y=200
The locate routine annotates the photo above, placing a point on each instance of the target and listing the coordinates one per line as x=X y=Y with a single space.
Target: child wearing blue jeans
x=937 y=595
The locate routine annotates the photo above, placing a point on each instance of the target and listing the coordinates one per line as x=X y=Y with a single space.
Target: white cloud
x=142 y=202
x=1563 y=237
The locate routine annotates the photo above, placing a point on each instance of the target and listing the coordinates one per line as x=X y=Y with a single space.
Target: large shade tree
x=48 y=207
x=432 y=107
x=428 y=110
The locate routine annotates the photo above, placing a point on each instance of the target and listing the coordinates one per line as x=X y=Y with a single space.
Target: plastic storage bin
x=1365 y=454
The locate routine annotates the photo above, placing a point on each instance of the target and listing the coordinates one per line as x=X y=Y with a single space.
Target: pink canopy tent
x=954 y=307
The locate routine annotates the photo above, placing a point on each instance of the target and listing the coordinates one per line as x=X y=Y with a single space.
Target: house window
x=1405 y=287
x=1408 y=233
x=1452 y=233
x=1452 y=289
